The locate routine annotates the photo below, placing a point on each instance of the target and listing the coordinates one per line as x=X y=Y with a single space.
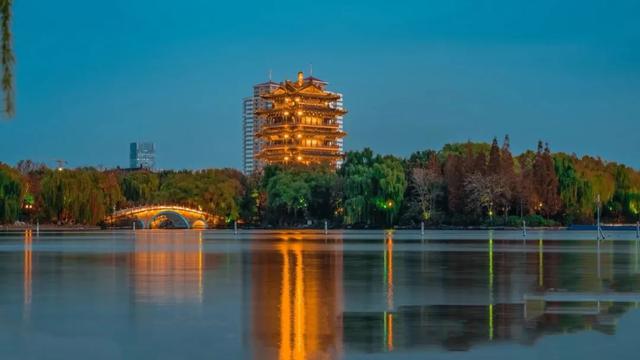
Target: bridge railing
x=154 y=207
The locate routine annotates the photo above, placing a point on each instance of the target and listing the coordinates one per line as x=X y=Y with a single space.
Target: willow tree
x=11 y=194
x=7 y=57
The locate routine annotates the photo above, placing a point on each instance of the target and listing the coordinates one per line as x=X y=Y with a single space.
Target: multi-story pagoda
x=303 y=124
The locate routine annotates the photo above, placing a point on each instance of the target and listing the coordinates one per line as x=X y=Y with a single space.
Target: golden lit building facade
x=303 y=125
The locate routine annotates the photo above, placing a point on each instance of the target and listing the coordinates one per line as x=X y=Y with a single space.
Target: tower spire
x=269 y=75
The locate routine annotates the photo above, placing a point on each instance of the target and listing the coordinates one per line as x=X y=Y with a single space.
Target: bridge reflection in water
x=167 y=266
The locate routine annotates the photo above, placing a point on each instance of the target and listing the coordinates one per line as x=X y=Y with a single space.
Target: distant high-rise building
x=142 y=155
x=301 y=123
x=250 y=147
x=338 y=104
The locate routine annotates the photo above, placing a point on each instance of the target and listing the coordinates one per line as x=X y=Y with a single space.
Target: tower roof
x=270 y=82
x=315 y=80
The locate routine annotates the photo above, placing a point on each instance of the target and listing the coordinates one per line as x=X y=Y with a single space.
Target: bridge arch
x=176 y=219
x=199 y=224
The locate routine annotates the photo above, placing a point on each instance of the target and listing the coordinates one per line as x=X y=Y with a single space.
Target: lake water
x=306 y=295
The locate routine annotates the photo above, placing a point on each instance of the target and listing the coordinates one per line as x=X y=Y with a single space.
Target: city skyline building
x=142 y=155
x=250 y=147
x=303 y=124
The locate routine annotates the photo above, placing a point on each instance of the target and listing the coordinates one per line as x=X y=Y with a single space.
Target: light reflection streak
x=491 y=279
x=299 y=316
x=389 y=332
x=540 y=263
x=285 y=308
x=296 y=300
x=27 y=271
x=637 y=247
x=388 y=269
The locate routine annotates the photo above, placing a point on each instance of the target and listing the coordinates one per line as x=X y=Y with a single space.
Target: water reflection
x=27 y=271
x=304 y=295
x=167 y=267
x=531 y=293
x=296 y=300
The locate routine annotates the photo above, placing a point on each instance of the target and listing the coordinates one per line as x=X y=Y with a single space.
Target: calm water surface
x=306 y=295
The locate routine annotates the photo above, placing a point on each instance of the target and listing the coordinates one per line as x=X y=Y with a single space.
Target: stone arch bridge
x=160 y=216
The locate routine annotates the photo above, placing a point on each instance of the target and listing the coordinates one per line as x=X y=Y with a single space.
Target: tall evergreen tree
x=494 y=165
x=454 y=180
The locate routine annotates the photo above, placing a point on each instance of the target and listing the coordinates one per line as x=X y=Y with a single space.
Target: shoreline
x=51 y=227
x=607 y=227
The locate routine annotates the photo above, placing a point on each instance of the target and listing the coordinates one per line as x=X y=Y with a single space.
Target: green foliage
x=11 y=194
x=374 y=188
x=295 y=194
x=357 y=172
x=389 y=186
x=76 y=196
x=288 y=196
x=465 y=184
x=575 y=191
x=464 y=148
x=139 y=187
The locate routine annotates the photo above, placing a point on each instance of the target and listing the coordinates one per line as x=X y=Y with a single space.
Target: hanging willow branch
x=7 y=58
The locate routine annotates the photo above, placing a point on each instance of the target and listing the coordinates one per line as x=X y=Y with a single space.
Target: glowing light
x=299 y=158
x=299 y=136
x=286 y=158
x=299 y=113
x=286 y=113
x=286 y=136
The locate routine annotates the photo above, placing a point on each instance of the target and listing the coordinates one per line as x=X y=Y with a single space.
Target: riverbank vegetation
x=463 y=184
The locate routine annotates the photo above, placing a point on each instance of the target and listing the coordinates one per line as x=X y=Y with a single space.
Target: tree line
x=462 y=184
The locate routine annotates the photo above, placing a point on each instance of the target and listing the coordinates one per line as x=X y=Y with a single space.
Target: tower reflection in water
x=295 y=299
x=167 y=266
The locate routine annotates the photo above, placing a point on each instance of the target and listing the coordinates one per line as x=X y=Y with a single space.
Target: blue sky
x=93 y=76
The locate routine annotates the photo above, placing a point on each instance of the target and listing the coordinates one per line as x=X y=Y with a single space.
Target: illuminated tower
x=303 y=124
x=250 y=147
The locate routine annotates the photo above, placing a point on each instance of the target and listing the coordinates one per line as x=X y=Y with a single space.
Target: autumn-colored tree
x=545 y=182
x=484 y=193
x=426 y=183
x=494 y=166
x=454 y=183
x=508 y=175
